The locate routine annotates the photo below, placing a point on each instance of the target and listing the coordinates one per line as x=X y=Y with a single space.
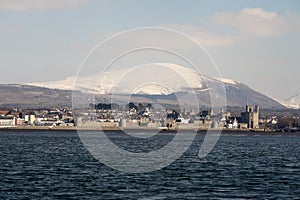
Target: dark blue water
x=55 y=165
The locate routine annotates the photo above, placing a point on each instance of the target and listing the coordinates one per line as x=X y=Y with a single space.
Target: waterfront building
x=8 y=121
x=251 y=116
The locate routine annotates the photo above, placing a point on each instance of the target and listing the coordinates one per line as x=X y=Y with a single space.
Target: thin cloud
x=222 y=29
x=202 y=35
x=25 y=5
x=258 y=22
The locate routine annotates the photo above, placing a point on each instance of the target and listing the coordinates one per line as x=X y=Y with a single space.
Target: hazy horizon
x=255 y=42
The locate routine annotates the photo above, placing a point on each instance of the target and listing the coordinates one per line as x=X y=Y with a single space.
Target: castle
x=251 y=116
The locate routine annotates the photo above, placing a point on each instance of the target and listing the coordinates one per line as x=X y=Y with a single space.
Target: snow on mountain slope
x=121 y=81
x=294 y=99
x=159 y=78
x=228 y=81
x=163 y=79
x=293 y=102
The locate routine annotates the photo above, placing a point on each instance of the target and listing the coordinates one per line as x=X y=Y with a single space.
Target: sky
x=253 y=42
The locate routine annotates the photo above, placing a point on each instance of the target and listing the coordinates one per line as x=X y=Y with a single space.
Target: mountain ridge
x=37 y=97
x=293 y=101
x=171 y=79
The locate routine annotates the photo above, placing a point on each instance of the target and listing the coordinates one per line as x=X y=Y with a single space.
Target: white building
x=7 y=121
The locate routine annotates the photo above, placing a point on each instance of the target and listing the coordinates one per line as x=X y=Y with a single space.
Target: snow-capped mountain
x=158 y=79
x=293 y=102
x=163 y=79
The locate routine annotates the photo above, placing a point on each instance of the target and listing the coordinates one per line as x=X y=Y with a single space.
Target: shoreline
x=117 y=129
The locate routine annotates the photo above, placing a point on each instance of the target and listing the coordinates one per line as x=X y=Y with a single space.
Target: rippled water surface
x=55 y=165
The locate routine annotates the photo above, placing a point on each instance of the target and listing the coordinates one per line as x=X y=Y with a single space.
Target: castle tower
x=255 y=117
x=251 y=116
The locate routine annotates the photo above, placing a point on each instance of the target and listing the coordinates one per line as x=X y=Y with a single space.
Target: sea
x=56 y=165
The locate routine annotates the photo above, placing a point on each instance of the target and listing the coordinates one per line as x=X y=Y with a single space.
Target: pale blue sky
x=254 y=42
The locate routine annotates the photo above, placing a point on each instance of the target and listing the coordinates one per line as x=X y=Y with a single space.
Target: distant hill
x=293 y=102
x=180 y=80
x=15 y=95
x=183 y=83
x=237 y=96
